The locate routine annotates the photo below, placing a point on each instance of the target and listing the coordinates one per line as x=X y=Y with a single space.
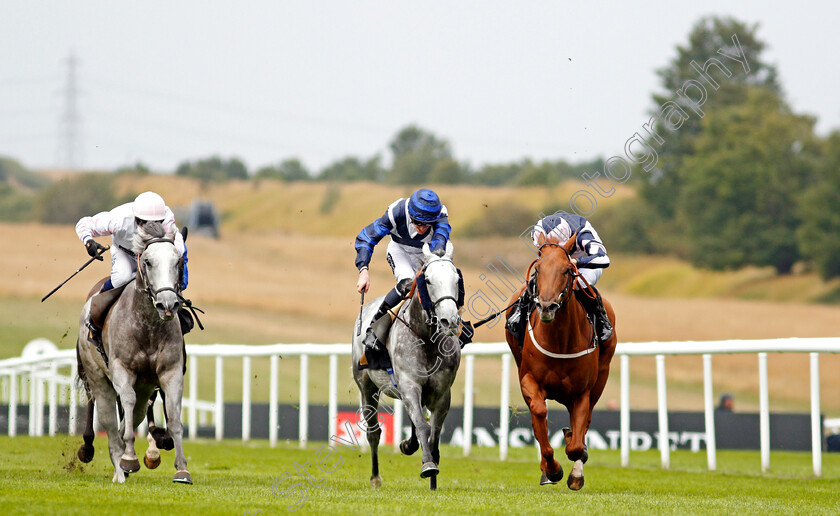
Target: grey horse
x=425 y=353
x=144 y=349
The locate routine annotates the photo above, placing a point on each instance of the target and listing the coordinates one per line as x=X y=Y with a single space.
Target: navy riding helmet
x=424 y=206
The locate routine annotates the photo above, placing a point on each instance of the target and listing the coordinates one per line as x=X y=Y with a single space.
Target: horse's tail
x=81 y=377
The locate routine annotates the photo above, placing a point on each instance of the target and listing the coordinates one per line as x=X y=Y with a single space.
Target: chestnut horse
x=560 y=358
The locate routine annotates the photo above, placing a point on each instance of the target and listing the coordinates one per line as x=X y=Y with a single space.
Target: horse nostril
x=444 y=323
x=160 y=306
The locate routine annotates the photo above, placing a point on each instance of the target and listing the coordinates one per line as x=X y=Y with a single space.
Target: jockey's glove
x=95 y=249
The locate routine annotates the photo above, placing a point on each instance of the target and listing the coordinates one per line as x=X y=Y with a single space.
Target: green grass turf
x=41 y=476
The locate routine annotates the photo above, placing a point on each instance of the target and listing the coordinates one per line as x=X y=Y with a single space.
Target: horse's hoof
x=163 y=439
x=574 y=483
x=545 y=481
x=151 y=463
x=85 y=453
x=166 y=442
x=557 y=476
x=376 y=482
x=429 y=469
x=182 y=477
x=407 y=448
x=130 y=466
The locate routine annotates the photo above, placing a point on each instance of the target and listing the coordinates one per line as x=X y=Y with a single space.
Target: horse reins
x=563 y=298
x=141 y=271
x=411 y=294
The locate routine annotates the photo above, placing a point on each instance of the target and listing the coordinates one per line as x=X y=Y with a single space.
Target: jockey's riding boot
x=186 y=320
x=466 y=334
x=512 y=325
x=595 y=308
x=371 y=340
x=603 y=325
x=94 y=335
x=519 y=316
x=374 y=337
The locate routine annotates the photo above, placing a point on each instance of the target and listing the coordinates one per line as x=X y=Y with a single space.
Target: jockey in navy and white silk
x=406 y=246
x=589 y=252
x=420 y=219
x=120 y=224
x=590 y=257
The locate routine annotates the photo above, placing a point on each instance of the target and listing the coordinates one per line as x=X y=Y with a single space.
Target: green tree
x=19 y=177
x=738 y=200
x=416 y=154
x=291 y=169
x=213 y=169
x=498 y=174
x=819 y=234
x=353 y=169
x=448 y=171
x=709 y=35
x=68 y=200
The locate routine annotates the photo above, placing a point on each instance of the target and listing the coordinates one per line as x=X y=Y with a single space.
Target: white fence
x=38 y=371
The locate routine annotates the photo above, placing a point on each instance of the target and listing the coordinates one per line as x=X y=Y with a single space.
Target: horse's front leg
x=106 y=403
x=580 y=415
x=410 y=445
x=439 y=413
x=411 y=395
x=534 y=396
x=123 y=382
x=172 y=385
x=369 y=411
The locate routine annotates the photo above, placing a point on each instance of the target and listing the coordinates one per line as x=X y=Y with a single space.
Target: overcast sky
x=163 y=82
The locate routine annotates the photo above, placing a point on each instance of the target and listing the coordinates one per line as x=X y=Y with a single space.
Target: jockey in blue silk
x=420 y=219
x=590 y=257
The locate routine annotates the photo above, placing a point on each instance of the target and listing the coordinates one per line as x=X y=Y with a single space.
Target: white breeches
x=590 y=275
x=405 y=261
x=123 y=267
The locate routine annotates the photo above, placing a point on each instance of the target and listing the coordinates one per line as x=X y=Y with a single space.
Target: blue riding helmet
x=424 y=206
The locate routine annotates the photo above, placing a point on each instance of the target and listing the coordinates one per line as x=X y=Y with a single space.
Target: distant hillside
x=334 y=209
x=17 y=177
x=342 y=209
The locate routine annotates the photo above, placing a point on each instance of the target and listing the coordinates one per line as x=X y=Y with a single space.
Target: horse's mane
x=148 y=231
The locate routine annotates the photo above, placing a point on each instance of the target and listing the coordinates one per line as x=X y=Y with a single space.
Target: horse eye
x=147 y=262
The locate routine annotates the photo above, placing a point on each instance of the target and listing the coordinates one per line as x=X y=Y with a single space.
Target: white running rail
x=24 y=379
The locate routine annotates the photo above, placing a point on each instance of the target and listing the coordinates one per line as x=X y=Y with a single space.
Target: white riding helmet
x=149 y=206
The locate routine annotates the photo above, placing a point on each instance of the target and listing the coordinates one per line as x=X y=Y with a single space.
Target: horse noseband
x=564 y=295
x=429 y=306
x=141 y=269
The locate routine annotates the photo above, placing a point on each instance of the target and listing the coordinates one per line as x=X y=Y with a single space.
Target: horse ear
x=426 y=252
x=570 y=243
x=449 y=250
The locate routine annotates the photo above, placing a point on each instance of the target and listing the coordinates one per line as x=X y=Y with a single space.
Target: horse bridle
x=565 y=294
x=141 y=271
x=562 y=299
x=442 y=298
x=431 y=315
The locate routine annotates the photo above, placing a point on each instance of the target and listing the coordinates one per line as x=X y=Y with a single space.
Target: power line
x=69 y=123
x=182 y=100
